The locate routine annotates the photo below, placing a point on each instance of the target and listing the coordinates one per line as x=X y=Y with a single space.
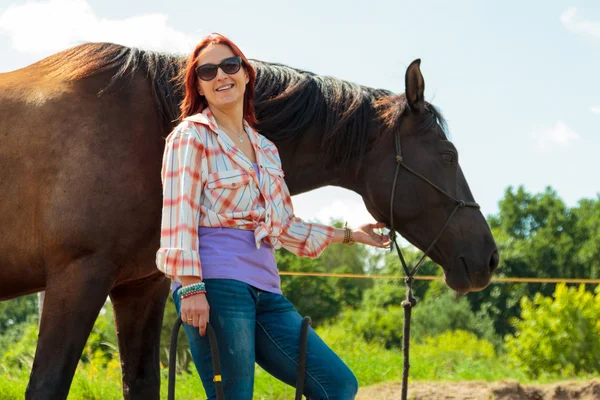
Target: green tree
x=559 y=334
x=539 y=236
x=313 y=296
x=323 y=298
x=20 y=354
x=389 y=292
x=16 y=311
x=442 y=310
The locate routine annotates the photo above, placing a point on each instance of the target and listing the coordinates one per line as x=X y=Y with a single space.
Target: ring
x=189 y=319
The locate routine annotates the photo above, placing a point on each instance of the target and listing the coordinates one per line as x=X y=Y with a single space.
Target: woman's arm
x=364 y=234
x=182 y=185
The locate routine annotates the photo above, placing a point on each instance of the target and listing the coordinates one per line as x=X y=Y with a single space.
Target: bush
x=558 y=335
x=20 y=355
x=439 y=312
x=458 y=355
x=446 y=311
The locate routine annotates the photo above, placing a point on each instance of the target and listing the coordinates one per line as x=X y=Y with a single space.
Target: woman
x=226 y=209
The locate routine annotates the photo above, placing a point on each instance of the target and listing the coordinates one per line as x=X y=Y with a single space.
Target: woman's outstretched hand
x=366 y=234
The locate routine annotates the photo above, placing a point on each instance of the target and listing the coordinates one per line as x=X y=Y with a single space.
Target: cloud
x=573 y=22
x=355 y=213
x=45 y=27
x=595 y=110
x=560 y=136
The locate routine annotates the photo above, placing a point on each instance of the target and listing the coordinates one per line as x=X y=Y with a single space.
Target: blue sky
x=517 y=81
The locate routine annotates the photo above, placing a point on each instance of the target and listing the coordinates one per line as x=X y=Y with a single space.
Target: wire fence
x=439 y=278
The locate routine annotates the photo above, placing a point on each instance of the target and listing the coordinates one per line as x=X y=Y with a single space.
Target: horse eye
x=449 y=157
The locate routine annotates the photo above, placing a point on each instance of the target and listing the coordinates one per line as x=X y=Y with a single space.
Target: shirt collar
x=207 y=118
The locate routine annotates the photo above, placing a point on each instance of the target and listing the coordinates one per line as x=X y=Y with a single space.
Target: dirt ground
x=473 y=390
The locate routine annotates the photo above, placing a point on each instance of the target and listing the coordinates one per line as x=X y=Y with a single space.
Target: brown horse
x=81 y=142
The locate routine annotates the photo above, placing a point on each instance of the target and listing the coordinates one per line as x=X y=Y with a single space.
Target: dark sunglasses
x=230 y=66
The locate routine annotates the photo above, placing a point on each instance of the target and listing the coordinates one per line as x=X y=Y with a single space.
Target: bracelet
x=190 y=294
x=348 y=238
x=191 y=290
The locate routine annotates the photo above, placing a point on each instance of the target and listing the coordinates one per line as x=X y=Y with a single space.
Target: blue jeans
x=251 y=326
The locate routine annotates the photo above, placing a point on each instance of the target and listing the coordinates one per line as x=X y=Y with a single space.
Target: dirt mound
x=475 y=390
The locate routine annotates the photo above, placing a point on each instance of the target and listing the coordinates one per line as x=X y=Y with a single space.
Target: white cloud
x=44 y=27
x=573 y=22
x=355 y=213
x=550 y=139
x=595 y=110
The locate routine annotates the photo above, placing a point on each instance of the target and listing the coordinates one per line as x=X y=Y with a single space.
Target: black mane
x=288 y=101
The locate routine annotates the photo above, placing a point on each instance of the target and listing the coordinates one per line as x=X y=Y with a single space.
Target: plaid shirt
x=209 y=182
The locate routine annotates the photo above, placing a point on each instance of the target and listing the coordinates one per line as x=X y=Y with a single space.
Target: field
x=478 y=390
x=456 y=366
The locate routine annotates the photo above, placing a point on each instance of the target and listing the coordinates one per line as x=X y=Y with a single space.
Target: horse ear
x=415 y=86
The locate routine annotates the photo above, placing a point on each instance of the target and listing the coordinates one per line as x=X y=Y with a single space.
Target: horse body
x=80 y=208
x=76 y=182
x=82 y=135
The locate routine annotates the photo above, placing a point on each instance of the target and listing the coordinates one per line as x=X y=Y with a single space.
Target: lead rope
x=214 y=350
x=409 y=302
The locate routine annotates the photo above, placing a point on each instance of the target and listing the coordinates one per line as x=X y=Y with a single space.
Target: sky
x=518 y=82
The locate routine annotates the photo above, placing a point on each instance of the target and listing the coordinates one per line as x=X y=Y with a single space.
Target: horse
x=81 y=142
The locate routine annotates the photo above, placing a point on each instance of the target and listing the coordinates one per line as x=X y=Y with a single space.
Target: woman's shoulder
x=188 y=128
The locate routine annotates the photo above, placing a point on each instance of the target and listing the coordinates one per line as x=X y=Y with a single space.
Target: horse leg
x=75 y=294
x=139 y=307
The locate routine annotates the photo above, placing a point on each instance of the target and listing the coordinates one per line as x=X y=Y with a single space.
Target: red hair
x=193 y=103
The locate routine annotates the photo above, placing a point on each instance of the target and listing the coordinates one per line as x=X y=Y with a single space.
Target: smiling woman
x=226 y=208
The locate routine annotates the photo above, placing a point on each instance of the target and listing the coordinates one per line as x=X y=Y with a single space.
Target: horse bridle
x=410 y=301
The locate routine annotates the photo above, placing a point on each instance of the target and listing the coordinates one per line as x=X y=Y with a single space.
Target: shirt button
x=251 y=169
x=234 y=184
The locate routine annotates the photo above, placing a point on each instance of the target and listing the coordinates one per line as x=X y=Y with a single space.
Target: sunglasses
x=230 y=66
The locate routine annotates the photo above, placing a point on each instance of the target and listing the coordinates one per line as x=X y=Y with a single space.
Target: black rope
x=173 y=358
x=302 y=357
x=407 y=304
x=214 y=350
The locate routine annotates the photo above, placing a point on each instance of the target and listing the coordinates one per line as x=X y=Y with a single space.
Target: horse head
x=431 y=189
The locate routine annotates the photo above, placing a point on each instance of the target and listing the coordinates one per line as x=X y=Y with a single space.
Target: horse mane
x=162 y=70
x=288 y=101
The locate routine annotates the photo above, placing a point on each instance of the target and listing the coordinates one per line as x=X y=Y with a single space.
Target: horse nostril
x=494 y=260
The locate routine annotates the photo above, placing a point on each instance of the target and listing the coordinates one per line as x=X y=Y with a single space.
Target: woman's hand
x=194 y=311
x=366 y=234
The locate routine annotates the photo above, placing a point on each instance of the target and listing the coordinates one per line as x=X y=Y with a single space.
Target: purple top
x=229 y=253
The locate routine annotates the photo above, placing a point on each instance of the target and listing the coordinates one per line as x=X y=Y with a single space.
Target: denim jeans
x=251 y=326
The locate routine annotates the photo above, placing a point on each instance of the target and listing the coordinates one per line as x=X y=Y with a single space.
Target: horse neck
x=303 y=164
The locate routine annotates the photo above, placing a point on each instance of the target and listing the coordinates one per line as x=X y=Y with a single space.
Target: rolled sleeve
x=306 y=239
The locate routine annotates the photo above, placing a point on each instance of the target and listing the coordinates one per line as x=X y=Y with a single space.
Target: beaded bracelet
x=190 y=294
x=191 y=290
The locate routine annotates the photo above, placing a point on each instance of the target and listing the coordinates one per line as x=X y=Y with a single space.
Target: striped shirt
x=209 y=182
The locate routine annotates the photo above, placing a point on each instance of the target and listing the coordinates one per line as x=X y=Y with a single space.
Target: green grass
x=453 y=356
